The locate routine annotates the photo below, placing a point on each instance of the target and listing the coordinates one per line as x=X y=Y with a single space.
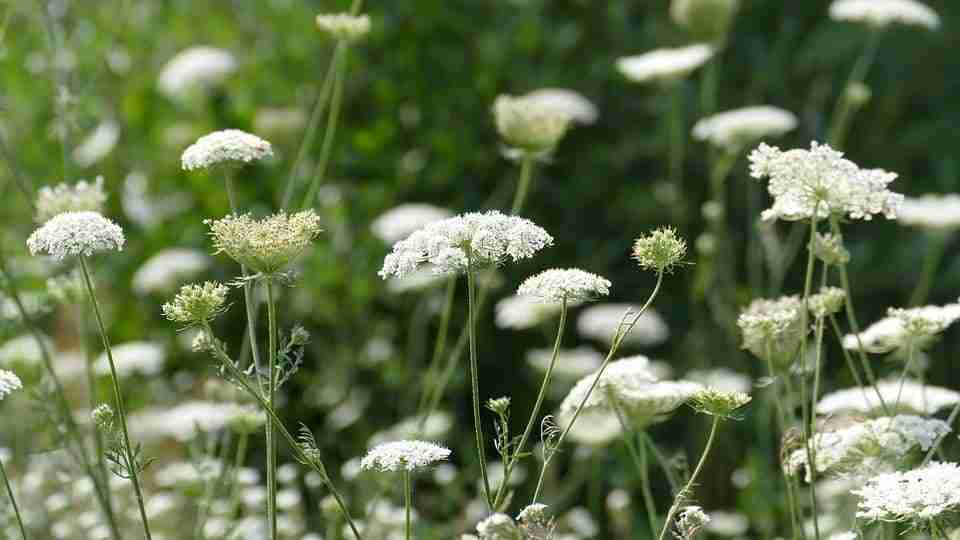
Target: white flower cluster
x=733 y=130
x=802 y=181
x=66 y=197
x=498 y=526
x=479 y=239
x=828 y=301
x=186 y=420
x=403 y=455
x=721 y=378
x=9 y=382
x=772 y=327
x=601 y=322
x=226 y=147
x=571 y=363
x=570 y=285
x=195 y=68
x=594 y=427
x=563 y=102
x=689 y=522
x=529 y=124
x=133 y=358
x=881 y=13
x=344 y=25
x=931 y=211
x=870 y=446
x=664 y=65
x=918 y=496
x=903 y=326
x=266 y=245
x=403 y=220
x=916 y=398
x=98 y=144
x=72 y=234
x=166 y=269
x=520 y=313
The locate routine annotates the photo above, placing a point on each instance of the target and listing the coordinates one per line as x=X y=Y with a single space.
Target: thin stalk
x=248 y=300
x=693 y=477
x=271 y=400
x=847 y=358
x=13 y=500
x=92 y=389
x=662 y=461
x=238 y=461
x=782 y=423
x=935 y=251
x=911 y=354
x=523 y=185
x=117 y=396
x=844 y=109
x=407 y=503
x=807 y=413
x=210 y=489
x=439 y=346
x=678 y=140
x=639 y=457
x=622 y=333
x=326 y=146
x=474 y=380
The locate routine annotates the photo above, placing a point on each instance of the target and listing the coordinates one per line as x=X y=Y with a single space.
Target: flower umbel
x=529 y=125
x=689 y=522
x=733 y=130
x=72 y=234
x=719 y=403
x=882 y=13
x=267 y=245
x=344 y=26
x=568 y=285
x=78 y=197
x=227 y=147
x=664 y=65
x=196 y=304
x=403 y=455
x=660 y=250
x=917 y=497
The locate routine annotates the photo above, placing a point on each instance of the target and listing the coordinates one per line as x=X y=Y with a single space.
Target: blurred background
x=80 y=98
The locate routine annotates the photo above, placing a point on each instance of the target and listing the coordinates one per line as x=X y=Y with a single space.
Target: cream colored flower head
x=73 y=234
x=719 y=403
x=736 y=129
x=78 y=197
x=228 y=147
x=195 y=68
x=529 y=125
x=565 y=102
x=267 y=245
x=664 y=65
x=882 y=13
x=344 y=26
x=570 y=286
x=403 y=456
x=772 y=329
x=196 y=304
x=660 y=250
x=932 y=212
x=918 y=498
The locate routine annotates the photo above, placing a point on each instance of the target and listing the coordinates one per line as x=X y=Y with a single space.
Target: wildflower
x=720 y=403
x=267 y=245
x=733 y=130
x=78 y=197
x=529 y=125
x=279 y=122
x=465 y=242
x=403 y=455
x=728 y=524
x=828 y=247
x=133 y=358
x=772 y=328
x=569 y=286
x=520 y=313
x=195 y=68
x=705 y=19
x=186 y=420
x=499 y=406
x=102 y=417
x=403 y=220
x=904 y=327
x=168 y=268
x=227 y=147
x=828 y=301
x=915 y=398
x=344 y=26
x=9 y=382
x=602 y=321
x=98 y=144
x=820 y=179
x=689 y=522
x=23 y=350
x=721 y=378
x=665 y=65
x=934 y=212
x=594 y=428
x=917 y=497
x=499 y=527
x=564 y=102
x=67 y=288
x=882 y=13
x=196 y=303
x=571 y=363
x=660 y=250
x=72 y=234
x=870 y=446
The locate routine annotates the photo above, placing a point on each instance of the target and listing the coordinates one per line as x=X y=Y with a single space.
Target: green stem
x=535 y=414
x=935 y=251
x=407 y=503
x=722 y=279
x=950 y=420
x=678 y=500
x=911 y=354
x=130 y=457
x=326 y=146
x=848 y=359
x=678 y=140
x=843 y=111
x=662 y=461
x=523 y=185
x=211 y=487
x=782 y=422
x=271 y=400
x=248 y=300
x=438 y=349
x=13 y=500
x=238 y=462
x=639 y=457
x=92 y=389
x=808 y=417
x=474 y=379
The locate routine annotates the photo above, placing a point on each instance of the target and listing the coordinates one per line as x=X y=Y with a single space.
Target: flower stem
x=677 y=146
x=662 y=461
x=639 y=457
x=808 y=416
x=130 y=457
x=935 y=251
x=438 y=349
x=407 y=503
x=474 y=380
x=13 y=500
x=92 y=389
x=684 y=493
x=523 y=185
x=248 y=300
x=911 y=354
x=843 y=111
x=327 y=145
x=271 y=431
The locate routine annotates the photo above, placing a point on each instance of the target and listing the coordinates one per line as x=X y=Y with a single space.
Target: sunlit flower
x=185 y=420
x=571 y=363
x=664 y=65
x=916 y=398
x=23 y=350
x=401 y=221
x=196 y=303
x=98 y=144
x=498 y=527
x=404 y=455
x=168 y=268
x=570 y=285
x=935 y=212
x=881 y=13
x=827 y=301
x=772 y=328
x=904 y=327
x=74 y=234
x=728 y=524
x=919 y=496
x=65 y=197
x=601 y=321
x=565 y=102
x=265 y=245
x=9 y=383
x=344 y=26
x=133 y=358
x=529 y=125
x=594 y=427
x=520 y=313
x=226 y=147
x=717 y=402
x=736 y=129
x=196 y=68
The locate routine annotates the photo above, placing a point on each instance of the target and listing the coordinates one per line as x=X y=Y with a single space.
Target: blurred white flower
x=581 y=522
x=594 y=427
x=265 y=245
x=147 y=209
x=401 y=221
x=9 y=382
x=916 y=398
x=420 y=279
x=403 y=455
x=931 y=211
x=601 y=321
x=184 y=421
x=730 y=524
x=196 y=68
x=736 y=129
x=226 y=147
x=571 y=363
x=168 y=268
x=531 y=126
x=916 y=497
x=436 y=426
x=23 y=350
x=664 y=65
x=74 y=234
x=66 y=197
x=903 y=327
x=564 y=102
x=570 y=285
x=98 y=144
x=343 y=26
x=279 y=123
x=521 y=313
x=772 y=327
x=133 y=358
x=722 y=378
x=881 y=13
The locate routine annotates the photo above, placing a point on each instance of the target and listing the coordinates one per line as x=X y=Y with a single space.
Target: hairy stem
x=684 y=493
x=271 y=400
x=474 y=380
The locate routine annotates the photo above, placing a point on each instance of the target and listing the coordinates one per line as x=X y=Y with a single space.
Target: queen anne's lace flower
x=529 y=124
x=133 y=358
x=196 y=303
x=828 y=301
x=722 y=378
x=571 y=363
x=227 y=147
x=168 y=268
x=567 y=285
x=565 y=102
x=498 y=527
x=344 y=26
x=198 y=67
x=664 y=65
x=916 y=398
x=266 y=245
x=660 y=250
x=937 y=212
x=881 y=13
x=98 y=144
x=918 y=497
x=185 y=420
x=72 y=234
x=454 y=244
x=601 y=321
x=78 y=197
x=9 y=382
x=520 y=313
x=717 y=402
x=403 y=455
x=802 y=181
x=402 y=221
x=733 y=130
x=689 y=522
x=869 y=447
x=594 y=427
x=772 y=327
x=902 y=327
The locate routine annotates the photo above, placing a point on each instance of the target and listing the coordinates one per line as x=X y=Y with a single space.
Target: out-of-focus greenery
x=416 y=126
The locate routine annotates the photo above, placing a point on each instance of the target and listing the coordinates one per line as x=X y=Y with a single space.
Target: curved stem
x=130 y=457
x=407 y=503
x=13 y=500
x=693 y=477
x=911 y=354
x=782 y=423
x=327 y=146
x=271 y=400
x=523 y=185
x=474 y=381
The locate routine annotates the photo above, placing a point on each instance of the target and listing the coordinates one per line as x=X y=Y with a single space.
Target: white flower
x=166 y=269
x=772 y=327
x=403 y=455
x=9 y=382
x=133 y=358
x=435 y=426
x=733 y=130
x=420 y=279
x=147 y=209
x=568 y=285
x=828 y=301
x=721 y=378
x=723 y=523
x=601 y=321
x=918 y=496
x=529 y=124
x=916 y=398
x=931 y=211
x=664 y=65
x=881 y=13
x=184 y=421
x=564 y=102
x=520 y=313
x=902 y=326
x=266 y=245
x=498 y=527
x=24 y=350
x=453 y=244
x=571 y=363
x=72 y=234
x=66 y=197
x=344 y=25
x=689 y=522
x=226 y=147
x=279 y=122
x=198 y=67
x=871 y=446
x=820 y=178
x=403 y=220
x=594 y=427
x=98 y=144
